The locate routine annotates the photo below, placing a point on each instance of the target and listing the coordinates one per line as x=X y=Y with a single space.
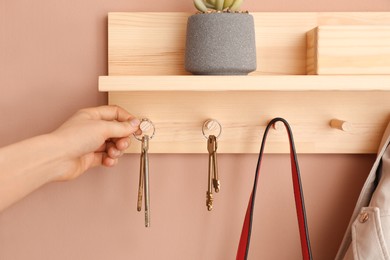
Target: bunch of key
x=143 y=186
x=209 y=127
x=144 y=180
x=213 y=181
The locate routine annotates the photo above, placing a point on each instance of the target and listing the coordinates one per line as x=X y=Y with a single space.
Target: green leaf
x=219 y=4
x=228 y=3
x=210 y=6
x=236 y=5
x=200 y=5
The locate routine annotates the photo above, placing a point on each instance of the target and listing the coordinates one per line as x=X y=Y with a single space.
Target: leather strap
x=243 y=248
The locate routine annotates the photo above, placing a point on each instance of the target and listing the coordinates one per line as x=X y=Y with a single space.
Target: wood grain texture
x=147 y=77
x=153 y=43
x=311 y=52
x=179 y=116
x=242 y=83
x=348 y=50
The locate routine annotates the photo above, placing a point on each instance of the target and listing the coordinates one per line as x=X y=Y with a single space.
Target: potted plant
x=220 y=39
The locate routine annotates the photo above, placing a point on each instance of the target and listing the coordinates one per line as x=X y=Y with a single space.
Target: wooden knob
x=145 y=125
x=211 y=125
x=341 y=125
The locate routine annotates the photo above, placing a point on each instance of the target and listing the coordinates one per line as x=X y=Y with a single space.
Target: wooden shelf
x=244 y=83
x=179 y=116
x=147 y=78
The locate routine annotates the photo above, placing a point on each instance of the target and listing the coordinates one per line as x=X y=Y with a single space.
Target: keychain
x=213 y=181
x=143 y=186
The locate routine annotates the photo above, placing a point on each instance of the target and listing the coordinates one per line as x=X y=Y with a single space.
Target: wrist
x=55 y=157
x=47 y=155
x=40 y=155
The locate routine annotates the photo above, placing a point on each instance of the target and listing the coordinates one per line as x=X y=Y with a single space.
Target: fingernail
x=135 y=122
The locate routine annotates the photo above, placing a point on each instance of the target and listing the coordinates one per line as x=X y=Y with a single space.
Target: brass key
x=141 y=181
x=216 y=182
x=144 y=180
x=213 y=181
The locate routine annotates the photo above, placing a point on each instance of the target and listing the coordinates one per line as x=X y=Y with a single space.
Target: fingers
x=113 y=152
x=115 y=129
x=108 y=161
x=103 y=159
x=122 y=143
x=109 y=153
x=114 y=121
x=114 y=149
x=119 y=123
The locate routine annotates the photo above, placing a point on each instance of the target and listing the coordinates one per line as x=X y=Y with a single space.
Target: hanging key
x=141 y=179
x=213 y=147
x=148 y=131
x=146 y=180
x=143 y=188
x=213 y=181
x=209 y=193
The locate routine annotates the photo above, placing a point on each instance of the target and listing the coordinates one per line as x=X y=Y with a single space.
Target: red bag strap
x=243 y=247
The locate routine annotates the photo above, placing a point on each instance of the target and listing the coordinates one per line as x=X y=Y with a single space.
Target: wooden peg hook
x=145 y=125
x=211 y=125
x=341 y=125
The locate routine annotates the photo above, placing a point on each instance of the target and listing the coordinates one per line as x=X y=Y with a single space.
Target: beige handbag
x=368 y=233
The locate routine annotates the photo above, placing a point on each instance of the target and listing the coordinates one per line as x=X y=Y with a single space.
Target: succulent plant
x=218 y=5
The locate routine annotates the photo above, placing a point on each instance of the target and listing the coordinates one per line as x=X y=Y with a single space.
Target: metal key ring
x=139 y=137
x=205 y=127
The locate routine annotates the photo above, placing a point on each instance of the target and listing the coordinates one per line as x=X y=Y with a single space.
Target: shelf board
x=147 y=78
x=178 y=117
x=244 y=83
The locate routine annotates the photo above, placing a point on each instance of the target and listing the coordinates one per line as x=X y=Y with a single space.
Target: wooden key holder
x=147 y=78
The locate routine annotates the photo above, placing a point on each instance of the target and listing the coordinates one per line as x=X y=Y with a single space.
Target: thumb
x=115 y=129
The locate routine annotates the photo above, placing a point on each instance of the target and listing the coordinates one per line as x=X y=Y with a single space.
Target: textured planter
x=220 y=44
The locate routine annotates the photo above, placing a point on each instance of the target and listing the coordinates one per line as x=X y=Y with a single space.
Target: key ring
x=211 y=125
x=145 y=125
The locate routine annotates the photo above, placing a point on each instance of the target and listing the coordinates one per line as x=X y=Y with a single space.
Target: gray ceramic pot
x=220 y=44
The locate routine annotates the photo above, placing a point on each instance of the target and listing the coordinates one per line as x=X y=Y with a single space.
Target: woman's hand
x=92 y=137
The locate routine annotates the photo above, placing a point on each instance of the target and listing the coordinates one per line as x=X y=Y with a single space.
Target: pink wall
x=51 y=54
